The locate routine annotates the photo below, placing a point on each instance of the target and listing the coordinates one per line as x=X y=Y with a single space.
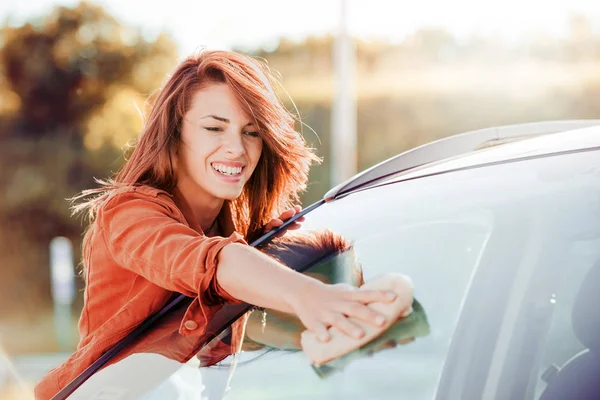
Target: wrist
x=298 y=291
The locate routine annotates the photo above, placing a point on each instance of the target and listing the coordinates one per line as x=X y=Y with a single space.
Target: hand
x=277 y=222
x=321 y=306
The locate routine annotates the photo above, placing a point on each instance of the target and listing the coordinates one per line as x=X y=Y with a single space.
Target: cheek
x=190 y=161
x=255 y=151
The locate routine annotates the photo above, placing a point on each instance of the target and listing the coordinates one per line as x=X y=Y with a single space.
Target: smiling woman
x=217 y=161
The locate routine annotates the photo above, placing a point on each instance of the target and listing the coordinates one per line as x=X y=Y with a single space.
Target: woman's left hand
x=277 y=222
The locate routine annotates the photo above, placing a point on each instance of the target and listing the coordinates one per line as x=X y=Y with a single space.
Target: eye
x=251 y=133
x=213 y=128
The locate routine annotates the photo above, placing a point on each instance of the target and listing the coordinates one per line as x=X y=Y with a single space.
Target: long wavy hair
x=282 y=171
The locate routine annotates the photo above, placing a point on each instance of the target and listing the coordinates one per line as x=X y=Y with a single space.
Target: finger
x=342 y=323
x=301 y=219
x=273 y=224
x=363 y=313
x=294 y=225
x=319 y=329
x=372 y=296
x=281 y=234
x=297 y=209
x=287 y=214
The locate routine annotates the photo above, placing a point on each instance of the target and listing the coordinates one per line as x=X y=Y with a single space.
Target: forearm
x=253 y=277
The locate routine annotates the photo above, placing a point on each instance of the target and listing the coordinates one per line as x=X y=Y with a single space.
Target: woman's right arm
x=251 y=276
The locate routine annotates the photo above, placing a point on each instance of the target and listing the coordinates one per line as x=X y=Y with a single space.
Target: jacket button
x=190 y=325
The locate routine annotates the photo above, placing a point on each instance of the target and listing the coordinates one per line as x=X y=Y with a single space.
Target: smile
x=227 y=171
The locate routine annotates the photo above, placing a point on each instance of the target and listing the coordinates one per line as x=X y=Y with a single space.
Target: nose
x=234 y=145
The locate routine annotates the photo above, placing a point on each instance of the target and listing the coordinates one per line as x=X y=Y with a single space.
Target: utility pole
x=343 y=111
x=62 y=276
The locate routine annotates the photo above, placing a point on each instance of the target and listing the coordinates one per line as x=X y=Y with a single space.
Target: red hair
x=282 y=171
x=302 y=249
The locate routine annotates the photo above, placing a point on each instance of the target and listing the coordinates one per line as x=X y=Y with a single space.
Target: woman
x=217 y=159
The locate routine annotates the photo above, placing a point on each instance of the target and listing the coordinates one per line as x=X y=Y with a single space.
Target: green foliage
x=71 y=85
x=66 y=68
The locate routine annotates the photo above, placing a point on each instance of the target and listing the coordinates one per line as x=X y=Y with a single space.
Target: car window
x=442 y=231
x=562 y=344
x=550 y=348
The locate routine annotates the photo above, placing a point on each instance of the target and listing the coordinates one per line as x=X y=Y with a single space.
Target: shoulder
x=145 y=191
x=141 y=199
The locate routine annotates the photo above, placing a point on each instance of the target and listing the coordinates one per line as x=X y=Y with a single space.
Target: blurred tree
x=72 y=86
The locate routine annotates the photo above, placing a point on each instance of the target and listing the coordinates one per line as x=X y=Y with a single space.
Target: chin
x=228 y=194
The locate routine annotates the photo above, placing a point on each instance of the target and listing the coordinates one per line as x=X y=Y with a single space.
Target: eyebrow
x=222 y=119
x=217 y=118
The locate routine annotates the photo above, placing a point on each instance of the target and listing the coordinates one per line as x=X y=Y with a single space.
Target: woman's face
x=220 y=145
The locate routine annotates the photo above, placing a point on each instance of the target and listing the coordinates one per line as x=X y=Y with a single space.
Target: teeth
x=225 y=170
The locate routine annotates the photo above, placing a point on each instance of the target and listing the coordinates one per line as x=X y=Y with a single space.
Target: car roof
x=477 y=148
x=549 y=144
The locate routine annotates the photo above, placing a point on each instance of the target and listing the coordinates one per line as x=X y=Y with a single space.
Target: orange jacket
x=143 y=247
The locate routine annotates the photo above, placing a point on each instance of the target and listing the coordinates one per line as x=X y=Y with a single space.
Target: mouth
x=228 y=171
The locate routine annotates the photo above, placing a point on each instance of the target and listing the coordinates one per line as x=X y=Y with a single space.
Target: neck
x=204 y=207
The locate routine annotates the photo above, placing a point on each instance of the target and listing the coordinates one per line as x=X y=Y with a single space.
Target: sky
x=228 y=23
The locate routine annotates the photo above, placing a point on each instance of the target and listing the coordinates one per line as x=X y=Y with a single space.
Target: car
x=499 y=230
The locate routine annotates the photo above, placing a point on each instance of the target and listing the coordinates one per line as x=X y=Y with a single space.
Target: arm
x=251 y=276
x=247 y=274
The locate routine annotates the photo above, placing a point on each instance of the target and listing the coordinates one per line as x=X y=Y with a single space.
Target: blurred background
x=368 y=79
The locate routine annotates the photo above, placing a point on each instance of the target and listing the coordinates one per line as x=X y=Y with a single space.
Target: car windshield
x=442 y=231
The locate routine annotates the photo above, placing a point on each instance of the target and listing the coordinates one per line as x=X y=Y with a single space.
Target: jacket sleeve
x=143 y=235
